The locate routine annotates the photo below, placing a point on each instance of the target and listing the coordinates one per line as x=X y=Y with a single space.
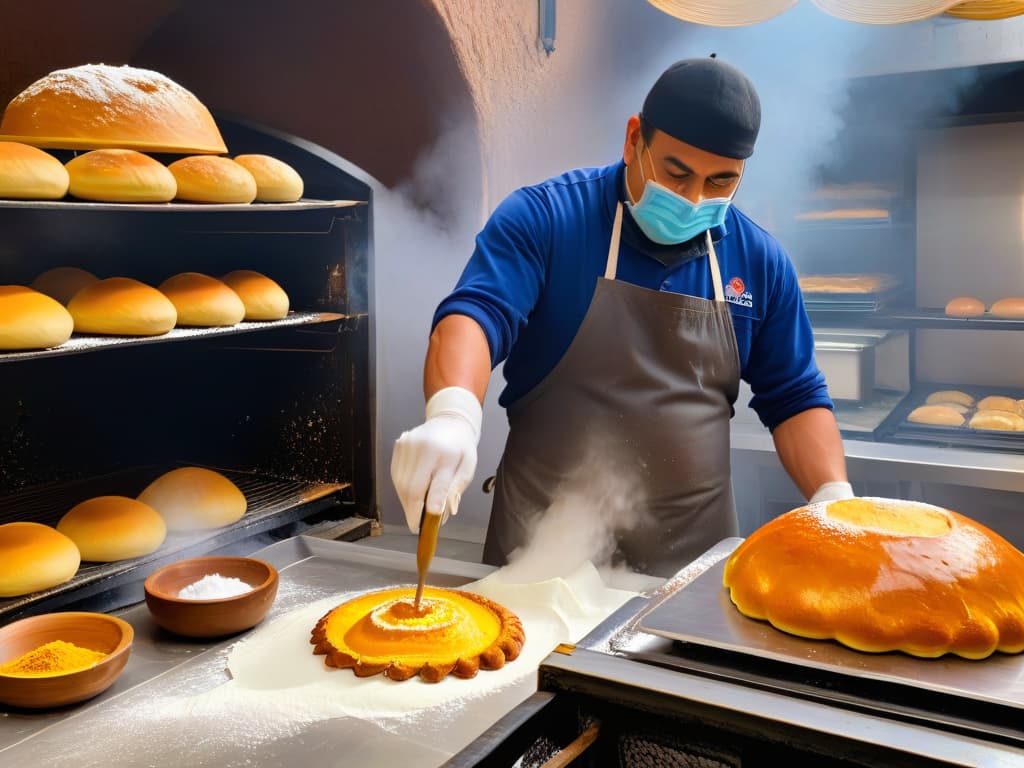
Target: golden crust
x=883 y=575
x=455 y=633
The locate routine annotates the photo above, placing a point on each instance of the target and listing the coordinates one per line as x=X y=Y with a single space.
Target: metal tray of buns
x=899 y=429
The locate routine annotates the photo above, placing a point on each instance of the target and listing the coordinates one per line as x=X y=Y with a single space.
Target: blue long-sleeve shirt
x=538 y=258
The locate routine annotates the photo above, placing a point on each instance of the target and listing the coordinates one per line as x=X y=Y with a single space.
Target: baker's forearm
x=458 y=356
x=811 y=449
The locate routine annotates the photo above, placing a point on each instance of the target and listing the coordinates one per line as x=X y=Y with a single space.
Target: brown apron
x=633 y=422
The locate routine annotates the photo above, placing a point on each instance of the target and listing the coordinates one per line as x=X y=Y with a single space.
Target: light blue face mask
x=669 y=219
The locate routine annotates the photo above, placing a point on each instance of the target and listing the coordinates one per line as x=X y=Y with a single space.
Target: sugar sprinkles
x=214 y=586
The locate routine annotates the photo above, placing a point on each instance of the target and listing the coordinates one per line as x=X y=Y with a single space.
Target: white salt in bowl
x=215 y=616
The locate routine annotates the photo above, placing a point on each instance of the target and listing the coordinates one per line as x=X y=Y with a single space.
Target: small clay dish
x=95 y=631
x=216 y=617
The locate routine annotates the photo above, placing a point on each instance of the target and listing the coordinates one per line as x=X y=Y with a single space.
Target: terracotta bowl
x=216 y=617
x=95 y=631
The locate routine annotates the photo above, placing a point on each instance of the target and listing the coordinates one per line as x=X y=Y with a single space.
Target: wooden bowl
x=216 y=617
x=95 y=631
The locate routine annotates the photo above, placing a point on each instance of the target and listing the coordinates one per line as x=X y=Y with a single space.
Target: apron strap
x=613 y=247
x=716 y=273
x=612 y=263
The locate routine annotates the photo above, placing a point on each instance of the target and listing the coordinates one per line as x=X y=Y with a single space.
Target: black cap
x=706 y=103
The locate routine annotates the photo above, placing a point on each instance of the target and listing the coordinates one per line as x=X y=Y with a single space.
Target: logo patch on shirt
x=736 y=292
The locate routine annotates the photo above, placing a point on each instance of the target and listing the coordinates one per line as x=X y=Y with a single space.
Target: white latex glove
x=436 y=460
x=833 y=491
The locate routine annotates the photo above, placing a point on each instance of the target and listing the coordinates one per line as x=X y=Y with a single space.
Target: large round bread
x=120 y=176
x=195 y=498
x=110 y=528
x=62 y=283
x=28 y=173
x=121 y=306
x=263 y=298
x=34 y=557
x=31 y=320
x=276 y=181
x=965 y=306
x=883 y=575
x=209 y=179
x=96 y=106
x=202 y=301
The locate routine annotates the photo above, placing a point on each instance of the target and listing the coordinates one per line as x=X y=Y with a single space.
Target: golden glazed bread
x=999 y=420
x=194 y=499
x=62 y=283
x=883 y=575
x=209 y=179
x=31 y=320
x=1000 y=403
x=34 y=557
x=1011 y=309
x=120 y=176
x=96 y=106
x=965 y=306
x=276 y=181
x=122 y=306
x=202 y=301
x=939 y=415
x=28 y=173
x=950 y=396
x=454 y=632
x=263 y=298
x=110 y=528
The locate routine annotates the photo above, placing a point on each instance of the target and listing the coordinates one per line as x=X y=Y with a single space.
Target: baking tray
x=701 y=613
x=898 y=429
x=843 y=303
x=124 y=726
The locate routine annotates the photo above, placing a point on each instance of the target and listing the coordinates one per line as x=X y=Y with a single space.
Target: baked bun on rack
x=96 y=106
x=120 y=176
x=34 y=557
x=210 y=179
x=28 y=173
x=194 y=499
x=62 y=283
x=276 y=181
x=965 y=306
x=31 y=320
x=121 y=306
x=263 y=298
x=1011 y=309
x=883 y=575
x=202 y=301
x=110 y=528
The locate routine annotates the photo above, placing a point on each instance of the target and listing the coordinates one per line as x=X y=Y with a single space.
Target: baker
x=627 y=302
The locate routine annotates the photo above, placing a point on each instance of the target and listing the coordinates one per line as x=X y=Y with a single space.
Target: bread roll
x=109 y=528
x=958 y=407
x=97 y=106
x=950 y=396
x=27 y=173
x=1012 y=309
x=263 y=298
x=31 y=320
x=1000 y=420
x=34 y=557
x=276 y=181
x=965 y=306
x=208 y=179
x=194 y=499
x=1000 y=403
x=939 y=415
x=122 y=306
x=202 y=301
x=120 y=176
x=62 y=283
